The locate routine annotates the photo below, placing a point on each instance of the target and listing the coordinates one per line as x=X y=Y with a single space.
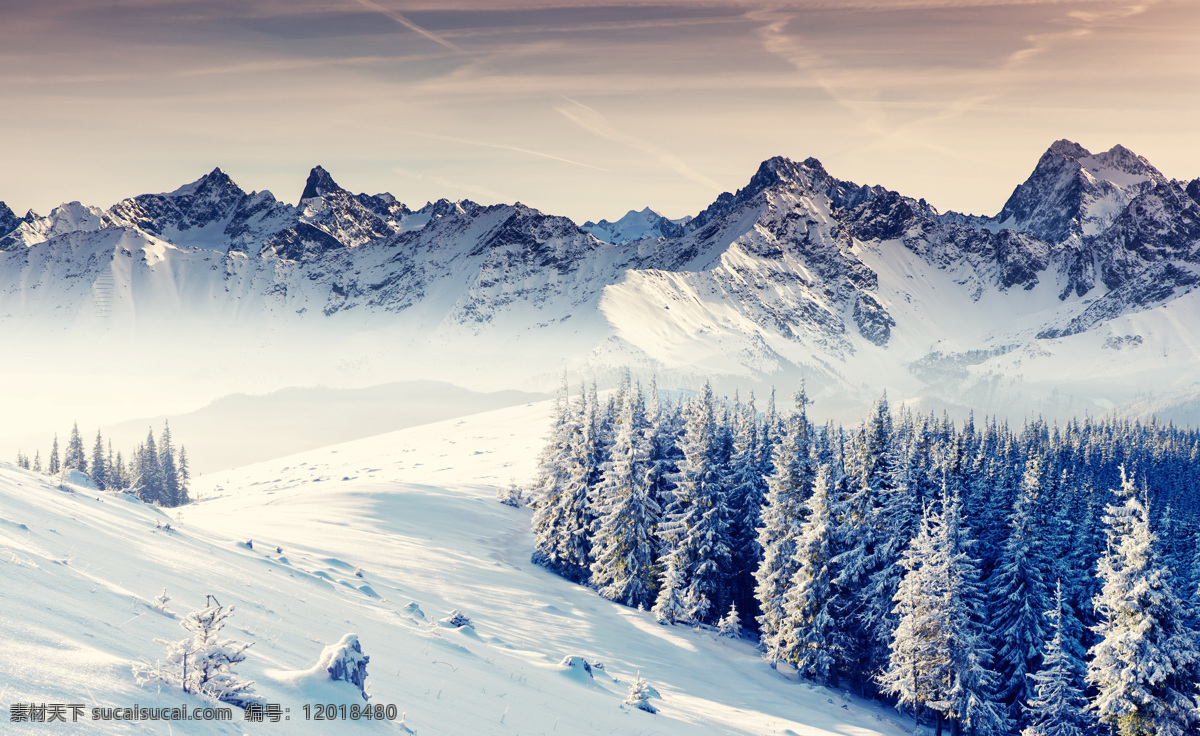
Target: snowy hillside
x=382 y=538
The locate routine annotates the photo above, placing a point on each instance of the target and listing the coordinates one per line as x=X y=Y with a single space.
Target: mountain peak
x=1069 y=149
x=319 y=184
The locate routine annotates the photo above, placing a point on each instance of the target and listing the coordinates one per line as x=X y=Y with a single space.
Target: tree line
x=156 y=472
x=1042 y=580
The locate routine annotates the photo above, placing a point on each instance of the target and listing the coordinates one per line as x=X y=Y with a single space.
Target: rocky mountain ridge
x=796 y=271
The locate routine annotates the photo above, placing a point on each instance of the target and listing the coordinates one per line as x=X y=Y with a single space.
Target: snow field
x=345 y=540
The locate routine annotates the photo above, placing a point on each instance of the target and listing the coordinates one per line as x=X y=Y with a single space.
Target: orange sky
x=582 y=109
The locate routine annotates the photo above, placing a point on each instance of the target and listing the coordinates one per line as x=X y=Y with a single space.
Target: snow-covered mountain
x=635 y=225
x=1077 y=295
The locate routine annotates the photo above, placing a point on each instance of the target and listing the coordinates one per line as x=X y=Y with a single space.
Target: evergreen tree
x=562 y=518
x=1145 y=665
x=74 y=456
x=99 y=469
x=788 y=486
x=1020 y=590
x=172 y=492
x=203 y=663
x=148 y=472
x=185 y=473
x=807 y=635
x=37 y=461
x=939 y=654
x=53 y=468
x=624 y=566
x=696 y=526
x=669 y=607
x=731 y=625
x=1058 y=706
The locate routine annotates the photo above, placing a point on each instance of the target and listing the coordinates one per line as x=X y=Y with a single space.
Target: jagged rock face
x=8 y=220
x=66 y=218
x=1072 y=193
x=210 y=199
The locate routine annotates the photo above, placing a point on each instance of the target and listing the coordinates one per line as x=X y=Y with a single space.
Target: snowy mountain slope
x=414 y=512
x=797 y=274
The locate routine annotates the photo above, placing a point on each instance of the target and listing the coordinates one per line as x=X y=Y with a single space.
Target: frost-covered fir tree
x=1057 y=707
x=939 y=653
x=746 y=481
x=640 y=692
x=624 y=547
x=172 y=490
x=730 y=626
x=148 y=475
x=696 y=525
x=669 y=606
x=1147 y=662
x=74 y=457
x=100 y=473
x=897 y=520
x=788 y=487
x=1020 y=592
x=53 y=465
x=203 y=662
x=562 y=518
x=807 y=636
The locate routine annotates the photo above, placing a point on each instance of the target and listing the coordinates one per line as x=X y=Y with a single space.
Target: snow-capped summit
x=1073 y=193
x=634 y=225
x=195 y=214
x=66 y=218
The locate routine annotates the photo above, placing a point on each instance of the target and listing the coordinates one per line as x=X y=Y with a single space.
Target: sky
x=583 y=109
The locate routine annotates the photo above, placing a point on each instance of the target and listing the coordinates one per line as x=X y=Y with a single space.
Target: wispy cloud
x=593 y=122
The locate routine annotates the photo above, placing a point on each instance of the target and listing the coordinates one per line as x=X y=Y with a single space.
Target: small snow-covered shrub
x=730 y=626
x=202 y=663
x=640 y=693
x=511 y=496
x=457 y=619
x=160 y=603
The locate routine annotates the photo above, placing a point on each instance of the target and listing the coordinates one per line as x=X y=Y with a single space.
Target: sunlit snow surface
x=412 y=511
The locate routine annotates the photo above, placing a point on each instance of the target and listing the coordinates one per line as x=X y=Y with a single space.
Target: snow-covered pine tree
x=100 y=471
x=1057 y=707
x=562 y=519
x=53 y=467
x=1147 y=662
x=37 y=461
x=807 y=635
x=148 y=475
x=870 y=478
x=747 y=489
x=172 y=491
x=898 y=519
x=185 y=473
x=730 y=626
x=788 y=486
x=1020 y=592
x=640 y=693
x=74 y=457
x=669 y=606
x=624 y=566
x=939 y=653
x=202 y=663
x=696 y=526
x=916 y=666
